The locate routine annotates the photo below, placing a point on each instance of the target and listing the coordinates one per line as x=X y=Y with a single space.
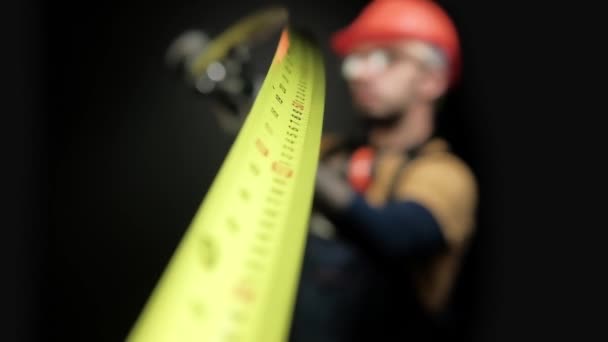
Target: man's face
x=383 y=79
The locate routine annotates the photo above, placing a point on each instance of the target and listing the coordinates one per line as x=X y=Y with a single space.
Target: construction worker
x=394 y=211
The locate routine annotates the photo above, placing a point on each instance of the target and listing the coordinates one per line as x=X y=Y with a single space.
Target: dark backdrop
x=124 y=153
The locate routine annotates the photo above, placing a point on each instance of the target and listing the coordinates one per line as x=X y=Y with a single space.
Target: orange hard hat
x=384 y=21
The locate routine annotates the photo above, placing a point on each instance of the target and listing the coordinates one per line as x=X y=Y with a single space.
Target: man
x=394 y=212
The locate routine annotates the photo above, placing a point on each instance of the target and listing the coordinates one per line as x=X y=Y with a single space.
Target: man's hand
x=332 y=190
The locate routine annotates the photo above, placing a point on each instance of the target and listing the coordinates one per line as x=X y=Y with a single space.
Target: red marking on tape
x=261 y=147
x=283 y=46
x=298 y=104
x=282 y=169
x=244 y=292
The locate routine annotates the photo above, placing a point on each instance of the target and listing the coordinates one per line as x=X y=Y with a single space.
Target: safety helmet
x=384 y=21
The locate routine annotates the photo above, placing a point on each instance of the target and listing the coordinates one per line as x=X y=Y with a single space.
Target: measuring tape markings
x=289 y=261
x=233 y=276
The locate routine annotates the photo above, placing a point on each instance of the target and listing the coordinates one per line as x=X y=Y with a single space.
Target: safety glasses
x=376 y=61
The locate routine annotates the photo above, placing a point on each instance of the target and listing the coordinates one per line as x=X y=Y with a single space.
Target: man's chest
x=373 y=174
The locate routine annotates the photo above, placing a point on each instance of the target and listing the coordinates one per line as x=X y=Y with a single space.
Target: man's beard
x=365 y=124
x=383 y=122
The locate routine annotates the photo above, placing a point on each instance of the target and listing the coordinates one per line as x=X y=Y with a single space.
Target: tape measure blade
x=163 y=309
x=289 y=264
x=196 y=301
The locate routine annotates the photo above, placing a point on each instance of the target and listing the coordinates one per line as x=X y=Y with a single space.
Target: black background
x=109 y=155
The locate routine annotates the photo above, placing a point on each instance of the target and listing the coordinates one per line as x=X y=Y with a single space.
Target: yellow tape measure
x=234 y=275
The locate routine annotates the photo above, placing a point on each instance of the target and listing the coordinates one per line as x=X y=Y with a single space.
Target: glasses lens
x=378 y=61
x=351 y=66
x=374 y=62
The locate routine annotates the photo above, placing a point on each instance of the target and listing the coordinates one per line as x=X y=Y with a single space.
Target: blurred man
x=395 y=211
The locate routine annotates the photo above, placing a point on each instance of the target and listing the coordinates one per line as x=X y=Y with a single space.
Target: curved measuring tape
x=234 y=275
x=249 y=29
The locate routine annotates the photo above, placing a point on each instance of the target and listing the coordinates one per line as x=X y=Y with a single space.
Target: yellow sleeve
x=444 y=185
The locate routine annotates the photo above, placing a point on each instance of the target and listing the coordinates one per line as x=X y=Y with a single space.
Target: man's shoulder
x=444 y=184
x=438 y=163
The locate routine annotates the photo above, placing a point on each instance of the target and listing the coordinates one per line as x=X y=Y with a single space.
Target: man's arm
x=435 y=206
x=397 y=229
